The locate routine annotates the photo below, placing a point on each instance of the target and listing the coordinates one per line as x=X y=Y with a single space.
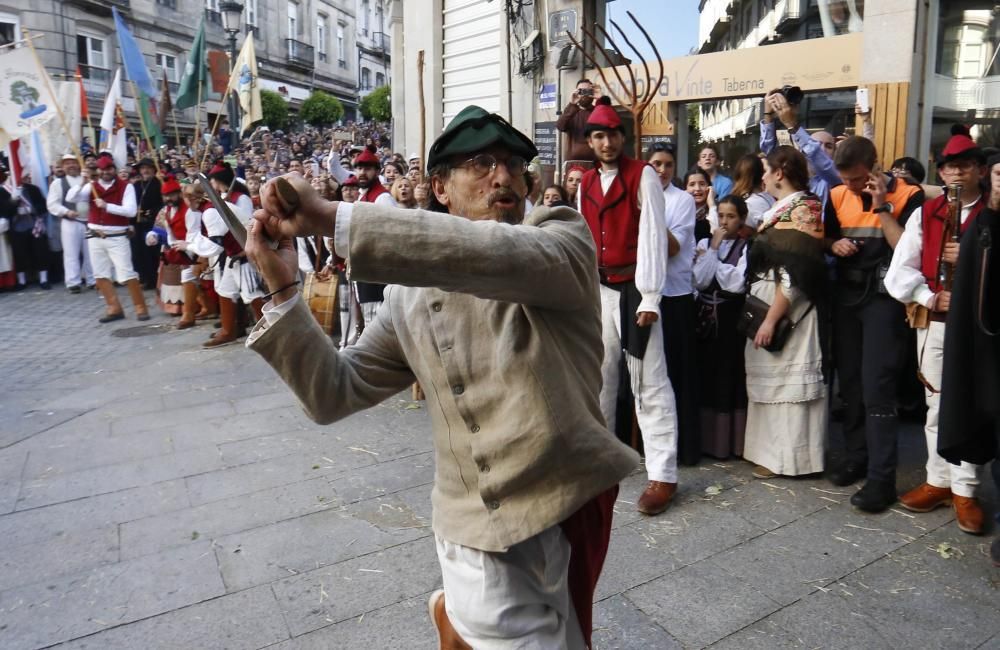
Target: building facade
x=374 y=55
x=301 y=45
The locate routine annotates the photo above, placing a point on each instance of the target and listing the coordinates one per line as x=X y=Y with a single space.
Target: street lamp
x=232 y=13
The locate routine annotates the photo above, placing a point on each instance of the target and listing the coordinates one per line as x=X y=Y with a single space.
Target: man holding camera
x=573 y=121
x=871 y=209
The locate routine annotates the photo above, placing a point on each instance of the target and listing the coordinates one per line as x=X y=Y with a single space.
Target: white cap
x=413 y=156
x=68 y=156
x=357 y=147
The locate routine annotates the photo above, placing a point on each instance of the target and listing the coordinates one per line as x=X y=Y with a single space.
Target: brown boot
x=448 y=638
x=925 y=498
x=139 y=300
x=656 y=498
x=113 y=310
x=227 y=317
x=190 y=306
x=257 y=307
x=209 y=304
x=968 y=514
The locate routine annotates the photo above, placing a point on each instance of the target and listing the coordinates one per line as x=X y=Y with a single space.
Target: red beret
x=961 y=146
x=170 y=185
x=603 y=117
x=104 y=162
x=366 y=158
x=352 y=181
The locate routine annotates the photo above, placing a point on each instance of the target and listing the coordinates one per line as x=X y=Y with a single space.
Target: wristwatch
x=885 y=207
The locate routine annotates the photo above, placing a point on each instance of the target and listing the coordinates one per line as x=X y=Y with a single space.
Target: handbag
x=320 y=293
x=753 y=315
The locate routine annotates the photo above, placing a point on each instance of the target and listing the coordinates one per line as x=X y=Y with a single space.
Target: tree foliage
x=321 y=109
x=275 y=109
x=377 y=105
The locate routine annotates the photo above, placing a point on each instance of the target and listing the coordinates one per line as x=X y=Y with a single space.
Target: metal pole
x=234 y=130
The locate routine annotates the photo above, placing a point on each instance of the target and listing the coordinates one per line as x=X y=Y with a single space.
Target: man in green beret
x=496 y=314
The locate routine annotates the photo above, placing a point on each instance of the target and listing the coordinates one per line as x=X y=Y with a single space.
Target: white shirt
x=651 y=260
x=709 y=266
x=243 y=208
x=757 y=204
x=215 y=226
x=384 y=199
x=54 y=202
x=679 y=216
x=127 y=208
x=905 y=279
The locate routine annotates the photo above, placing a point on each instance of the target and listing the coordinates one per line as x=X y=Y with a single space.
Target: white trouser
x=111 y=258
x=962 y=479
x=237 y=281
x=75 y=248
x=517 y=599
x=368 y=311
x=655 y=406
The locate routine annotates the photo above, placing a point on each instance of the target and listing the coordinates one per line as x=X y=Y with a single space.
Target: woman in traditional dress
x=720 y=277
x=169 y=228
x=787 y=413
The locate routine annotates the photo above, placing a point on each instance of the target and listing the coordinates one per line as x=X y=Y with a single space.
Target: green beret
x=475 y=129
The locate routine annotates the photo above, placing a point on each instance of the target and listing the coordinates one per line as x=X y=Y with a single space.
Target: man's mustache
x=503 y=194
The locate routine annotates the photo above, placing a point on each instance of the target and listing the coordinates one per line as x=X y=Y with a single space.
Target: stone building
x=301 y=45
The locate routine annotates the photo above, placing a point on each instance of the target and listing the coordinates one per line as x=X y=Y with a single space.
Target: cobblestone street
x=155 y=495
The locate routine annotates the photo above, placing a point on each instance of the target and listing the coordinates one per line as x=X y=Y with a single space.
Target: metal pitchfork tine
x=636 y=106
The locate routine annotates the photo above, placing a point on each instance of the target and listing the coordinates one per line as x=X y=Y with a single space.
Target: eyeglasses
x=484 y=164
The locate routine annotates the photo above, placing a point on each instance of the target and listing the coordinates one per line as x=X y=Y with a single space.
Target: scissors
x=232 y=221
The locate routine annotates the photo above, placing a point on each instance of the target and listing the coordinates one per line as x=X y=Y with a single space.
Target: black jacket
x=969 y=423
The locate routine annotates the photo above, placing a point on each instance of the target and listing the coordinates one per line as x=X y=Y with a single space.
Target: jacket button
x=484 y=468
x=475 y=428
x=458 y=389
x=436 y=306
x=492 y=505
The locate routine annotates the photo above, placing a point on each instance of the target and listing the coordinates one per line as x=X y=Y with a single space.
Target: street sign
x=547 y=96
x=546 y=140
x=561 y=22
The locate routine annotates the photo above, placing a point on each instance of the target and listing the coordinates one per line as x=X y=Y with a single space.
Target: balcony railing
x=381 y=41
x=301 y=53
x=95 y=79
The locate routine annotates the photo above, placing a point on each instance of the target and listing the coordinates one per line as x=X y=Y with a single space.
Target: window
x=90 y=52
x=212 y=5
x=293 y=20
x=378 y=15
x=366 y=79
x=365 y=19
x=321 y=36
x=10 y=29
x=250 y=9
x=341 y=54
x=167 y=63
x=379 y=79
x=170 y=4
x=966 y=51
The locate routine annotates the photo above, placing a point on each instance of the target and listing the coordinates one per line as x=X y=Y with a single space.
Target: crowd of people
x=733 y=308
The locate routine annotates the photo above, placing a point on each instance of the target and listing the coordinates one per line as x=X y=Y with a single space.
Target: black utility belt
x=91 y=233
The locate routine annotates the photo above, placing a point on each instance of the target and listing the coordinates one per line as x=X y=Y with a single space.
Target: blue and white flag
x=135 y=64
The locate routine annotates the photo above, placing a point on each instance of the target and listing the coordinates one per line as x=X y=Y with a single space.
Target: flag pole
x=197 y=122
x=218 y=116
x=142 y=125
x=177 y=132
x=48 y=86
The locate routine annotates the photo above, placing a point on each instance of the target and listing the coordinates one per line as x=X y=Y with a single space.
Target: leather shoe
x=74 y=289
x=925 y=498
x=108 y=318
x=847 y=473
x=656 y=498
x=448 y=638
x=968 y=514
x=874 y=496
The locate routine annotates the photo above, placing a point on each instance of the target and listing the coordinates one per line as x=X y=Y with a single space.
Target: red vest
x=614 y=217
x=229 y=243
x=177 y=222
x=935 y=213
x=374 y=192
x=113 y=195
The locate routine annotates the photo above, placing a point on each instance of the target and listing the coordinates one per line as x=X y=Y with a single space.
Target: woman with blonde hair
x=402 y=191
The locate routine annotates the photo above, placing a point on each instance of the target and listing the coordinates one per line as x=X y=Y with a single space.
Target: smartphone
x=861 y=95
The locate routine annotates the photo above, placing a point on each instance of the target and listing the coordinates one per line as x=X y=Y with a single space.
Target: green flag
x=195 y=73
x=148 y=114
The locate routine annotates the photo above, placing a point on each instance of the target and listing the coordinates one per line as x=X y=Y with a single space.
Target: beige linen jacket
x=501 y=326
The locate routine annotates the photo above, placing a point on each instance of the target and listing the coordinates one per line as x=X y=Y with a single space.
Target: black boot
x=874 y=496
